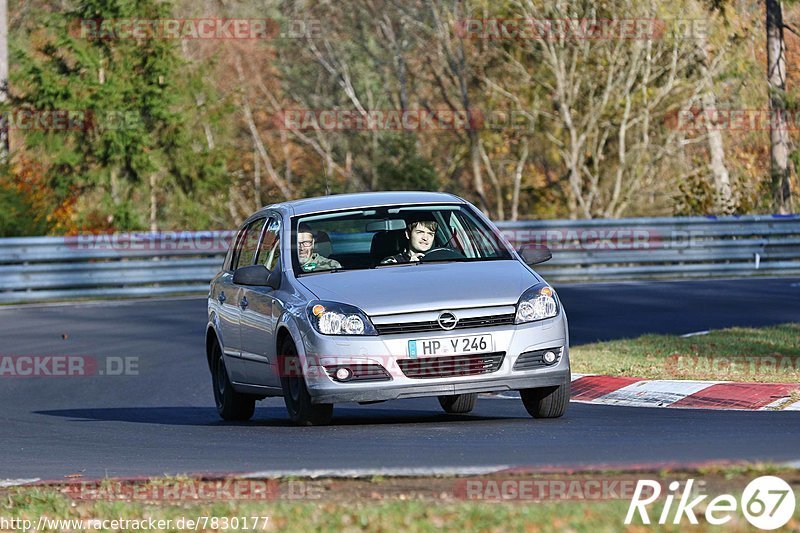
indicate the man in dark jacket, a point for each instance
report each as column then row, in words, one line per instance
column 420, row 235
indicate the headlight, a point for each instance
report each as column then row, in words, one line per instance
column 333, row 318
column 537, row 303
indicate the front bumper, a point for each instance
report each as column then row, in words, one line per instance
column 388, row 391
column 387, row 350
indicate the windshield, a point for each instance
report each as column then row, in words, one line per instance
column 393, row 236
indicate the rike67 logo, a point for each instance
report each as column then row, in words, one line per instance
column 767, row 502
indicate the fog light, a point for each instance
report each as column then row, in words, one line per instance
column 549, row 358
column 343, row 374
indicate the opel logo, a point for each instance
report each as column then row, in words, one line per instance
column 447, row 320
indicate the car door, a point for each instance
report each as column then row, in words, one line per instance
column 232, row 296
column 259, row 317
column 223, row 298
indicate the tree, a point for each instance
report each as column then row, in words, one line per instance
column 135, row 142
column 779, row 132
column 3, row 79
column 724, row 197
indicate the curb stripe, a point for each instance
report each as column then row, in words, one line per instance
column 588, row 388
column 737, row 396
column 6, row 483
column 687, row 394
column 660, row 393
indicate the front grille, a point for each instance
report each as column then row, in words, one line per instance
column 531, row 360
column 361, row 373
column 452, row 365
column 433, row 325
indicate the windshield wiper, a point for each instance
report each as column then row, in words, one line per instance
column 382, row 265
column 421, row 262
column 464, row 260
column 447, row 260
column 323, row 271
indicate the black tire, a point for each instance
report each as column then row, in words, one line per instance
column 295, row 393
column 546, row 402
column 231, row 405
column 458, row 403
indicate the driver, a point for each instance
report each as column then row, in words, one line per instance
column 310, row 260
column 420, row 234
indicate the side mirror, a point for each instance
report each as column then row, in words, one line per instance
column 533, row 254
column 257, row 276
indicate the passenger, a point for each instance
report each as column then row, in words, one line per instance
column 310, row 260
column 420, row 235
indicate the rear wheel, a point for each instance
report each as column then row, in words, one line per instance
column 458, row 403
column 231, row 405
column 546, row 402
column 295, row 393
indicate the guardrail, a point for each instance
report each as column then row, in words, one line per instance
column 657, row 248
column 104, row 266
column 147, row 264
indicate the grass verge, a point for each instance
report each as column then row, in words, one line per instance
column 393, row 504
column 770, row 354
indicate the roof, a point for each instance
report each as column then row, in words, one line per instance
column 364, row 199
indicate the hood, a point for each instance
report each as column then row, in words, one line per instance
column 424, row 287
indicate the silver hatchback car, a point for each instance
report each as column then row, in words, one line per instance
column 378, row 296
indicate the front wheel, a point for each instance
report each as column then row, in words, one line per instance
column 546, row 402
column 295, row 393
column 458, row 403
column 231, row 405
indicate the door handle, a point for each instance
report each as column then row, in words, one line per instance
column 221, row 298
column 243, row 303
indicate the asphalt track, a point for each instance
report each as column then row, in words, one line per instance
column 162, row 421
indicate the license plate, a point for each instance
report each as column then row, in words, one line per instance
column 451, row 346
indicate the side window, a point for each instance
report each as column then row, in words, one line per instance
column 248, row 245
column 461, row 237
column 269, row 253
column 233, row 254
column 483, row 246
